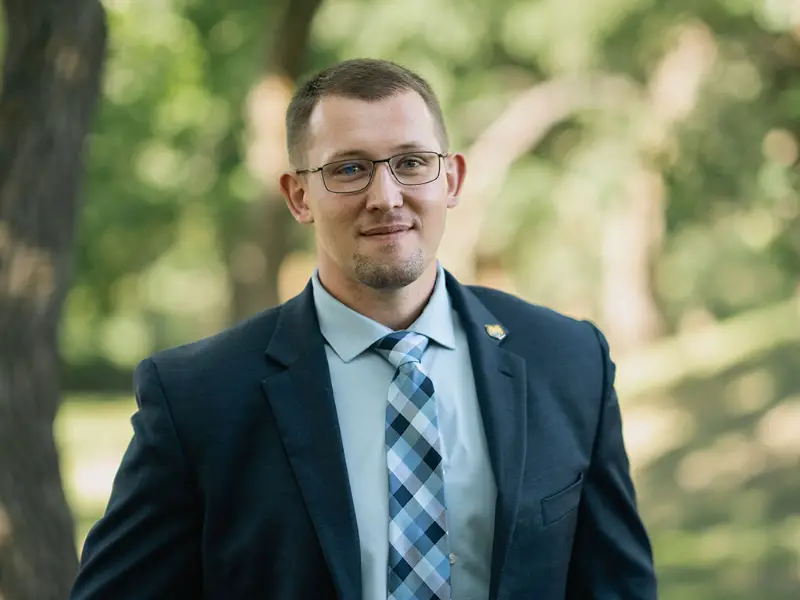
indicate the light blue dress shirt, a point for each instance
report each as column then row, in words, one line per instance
column 360, row 379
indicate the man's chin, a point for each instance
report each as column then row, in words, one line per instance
column 388, row 275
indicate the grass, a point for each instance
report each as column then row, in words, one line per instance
column 92, row 436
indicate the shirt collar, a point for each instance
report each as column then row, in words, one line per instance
column 350, row 333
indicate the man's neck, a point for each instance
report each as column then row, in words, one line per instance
column 396, row 309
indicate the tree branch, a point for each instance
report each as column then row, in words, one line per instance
column 521, row 127
column 707, row 351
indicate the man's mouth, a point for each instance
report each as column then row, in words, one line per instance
column 386, row 230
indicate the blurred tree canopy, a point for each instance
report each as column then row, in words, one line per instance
column 633, row 161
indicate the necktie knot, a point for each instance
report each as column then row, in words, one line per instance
column 401, row 347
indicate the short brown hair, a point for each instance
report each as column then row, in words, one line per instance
column 363, row 79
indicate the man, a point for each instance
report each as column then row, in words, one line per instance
column 388, row 433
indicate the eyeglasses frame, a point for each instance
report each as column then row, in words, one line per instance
column 372, row 172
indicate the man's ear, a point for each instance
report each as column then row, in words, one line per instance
column 294, row 192
column 455, row 173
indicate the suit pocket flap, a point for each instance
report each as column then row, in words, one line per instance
column 558, row 505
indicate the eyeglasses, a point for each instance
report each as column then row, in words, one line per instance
column 354, row 175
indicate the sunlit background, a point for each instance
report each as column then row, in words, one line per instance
column 633, row 162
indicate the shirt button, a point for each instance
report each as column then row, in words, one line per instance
column 452, row 558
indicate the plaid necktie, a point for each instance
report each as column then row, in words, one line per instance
column 419, row 567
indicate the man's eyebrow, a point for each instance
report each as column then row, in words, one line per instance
column 357, row 153
column 412, row 147
column 342, row 154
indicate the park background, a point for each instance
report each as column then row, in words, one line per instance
column 632, row 162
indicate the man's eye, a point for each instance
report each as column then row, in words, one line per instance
column 349, row 169
column 411, row 163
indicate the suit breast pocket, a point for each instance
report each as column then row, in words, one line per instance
column 560, row 504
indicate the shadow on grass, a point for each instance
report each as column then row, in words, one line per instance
column 723, row 505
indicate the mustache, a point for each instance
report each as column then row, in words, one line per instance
column 408, row 221
column 394, row 223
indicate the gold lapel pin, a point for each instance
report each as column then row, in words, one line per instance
column 495, row 331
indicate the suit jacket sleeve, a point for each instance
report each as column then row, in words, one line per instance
column 147, row 543
column 612, row 558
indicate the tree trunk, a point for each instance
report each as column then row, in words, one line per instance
column 265, row 239
column 634, row 232
column 269, row 233
column 51, row 82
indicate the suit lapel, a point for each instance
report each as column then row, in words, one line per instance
column 301, row 397
column 500, row 381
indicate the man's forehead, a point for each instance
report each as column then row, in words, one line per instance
column 338, row 124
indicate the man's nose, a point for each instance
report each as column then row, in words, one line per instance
column 384, row 193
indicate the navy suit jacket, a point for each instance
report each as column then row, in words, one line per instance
column 234, row 486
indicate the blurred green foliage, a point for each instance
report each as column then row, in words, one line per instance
column 172, row 184
column 169, row 188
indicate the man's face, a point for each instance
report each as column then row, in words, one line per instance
column 386, row 235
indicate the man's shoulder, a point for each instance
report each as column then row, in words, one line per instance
column 515, row 311
column 537, row 330
column 572, row 349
